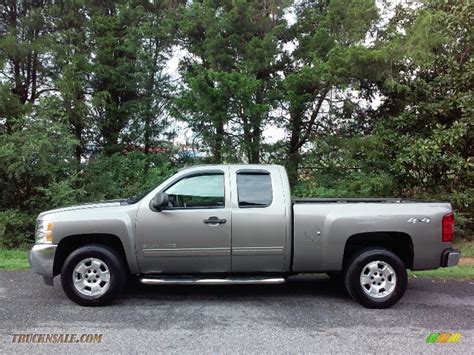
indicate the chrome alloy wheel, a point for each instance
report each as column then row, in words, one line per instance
column 91, row 277
column 378, row 279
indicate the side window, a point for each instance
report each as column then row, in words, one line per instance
column 254, row 189
column 202, row 191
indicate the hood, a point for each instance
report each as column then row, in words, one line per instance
column 109, row 203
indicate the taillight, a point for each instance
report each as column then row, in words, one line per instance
column 448, row 228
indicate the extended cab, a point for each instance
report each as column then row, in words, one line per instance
column 221, row 224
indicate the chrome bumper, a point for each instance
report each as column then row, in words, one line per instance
column 450, row 257
column 41, row 259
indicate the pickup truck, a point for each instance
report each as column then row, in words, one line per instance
column 237, row 224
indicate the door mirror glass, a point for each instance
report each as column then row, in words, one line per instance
column 160, row 201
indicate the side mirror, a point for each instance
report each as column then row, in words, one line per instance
column 160, row 201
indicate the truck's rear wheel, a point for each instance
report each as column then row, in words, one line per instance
column 376, row 278
column 93, row 275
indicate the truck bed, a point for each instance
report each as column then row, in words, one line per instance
column 322, row 226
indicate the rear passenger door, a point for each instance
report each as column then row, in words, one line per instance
column 258, row 221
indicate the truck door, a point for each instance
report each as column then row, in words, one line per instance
column 259, row 221
column 192, row 234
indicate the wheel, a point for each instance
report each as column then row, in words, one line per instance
column 335, row 275
column 93, row 275
column 376, row 278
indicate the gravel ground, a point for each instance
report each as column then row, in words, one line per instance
column 310, row 314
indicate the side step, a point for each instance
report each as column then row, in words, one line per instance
column 211, row 281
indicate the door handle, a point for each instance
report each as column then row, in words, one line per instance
column 215, row 220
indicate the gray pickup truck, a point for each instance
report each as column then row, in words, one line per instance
column 237, row 224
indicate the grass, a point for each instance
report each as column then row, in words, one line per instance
column 17, row 259
column 465, row 271
column 455, row 272
column 14, row 259
column 466, row 247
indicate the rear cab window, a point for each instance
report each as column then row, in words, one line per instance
column 254, row 188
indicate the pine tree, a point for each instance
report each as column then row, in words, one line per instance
column 230, row 73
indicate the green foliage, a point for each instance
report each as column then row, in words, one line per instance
column 230, row 74
column 15, row 228
column 36, row 171
column 39, row 172
column 329, row 58
column 418, row 142
column 122, row 176
column 34, row 156
column 10, row 104
column 427, row 127
column 355, row 184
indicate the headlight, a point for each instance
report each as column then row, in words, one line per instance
column 44, row 232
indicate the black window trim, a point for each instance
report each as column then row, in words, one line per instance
column 253, row 172
column 194, row 174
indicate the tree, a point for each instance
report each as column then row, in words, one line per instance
column 71, row 52
column 150, row 125
column 24, row 44
column 116, row 41
column 427, row 115
column 35, row 173
column 230, row 73
column 329, row 57
column 129, row 41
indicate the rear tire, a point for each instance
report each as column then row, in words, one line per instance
column 376, row 278
column 93, row 275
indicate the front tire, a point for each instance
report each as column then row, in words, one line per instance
column 376, row 278
column 93, row 275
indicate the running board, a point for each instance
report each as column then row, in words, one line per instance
column 203, row 281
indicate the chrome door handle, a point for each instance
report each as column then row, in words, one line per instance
column 215, row 220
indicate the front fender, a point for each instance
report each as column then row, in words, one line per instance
column 117, row 221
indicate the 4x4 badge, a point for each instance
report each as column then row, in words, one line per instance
column 419, row 220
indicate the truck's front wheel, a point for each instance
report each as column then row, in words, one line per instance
column 376, row 278
column 93, row 275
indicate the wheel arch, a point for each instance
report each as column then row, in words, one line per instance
column 70, row 243
column 399, row 243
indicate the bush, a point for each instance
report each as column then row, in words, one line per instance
column 123, row 175
column 16, row 228
column 39, row 172
column 352, row 184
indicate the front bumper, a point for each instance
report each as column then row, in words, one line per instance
column 450, row 257
column 41, row 259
